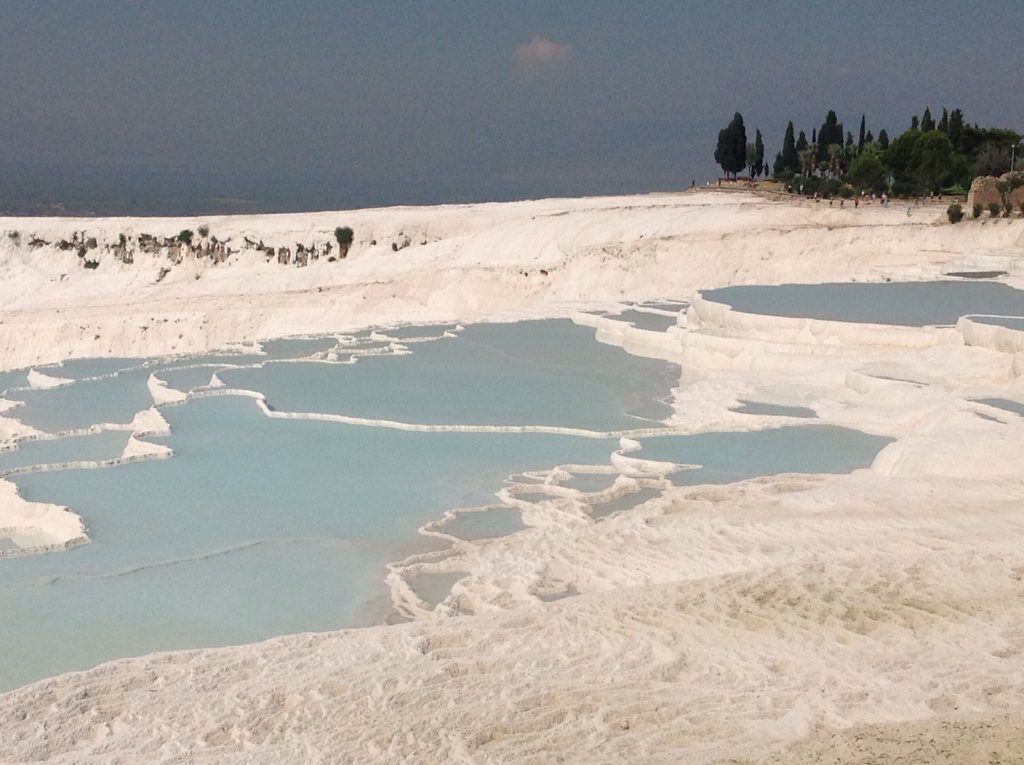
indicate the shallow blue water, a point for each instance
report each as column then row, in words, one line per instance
column 548, row 373
column 774, row 410
column 622, row 503
column 297, row 347
column 411, row 331
column 14, row 379
column 915, row 304
column 1006, row 404
column 76, row 369
column 114, row 399
column 187, row 378
column 495, row 521
column 329, row 504
column 655, row 322
column 106, row 445
column 260, row 527
column 728, row 457
column 1011, row 322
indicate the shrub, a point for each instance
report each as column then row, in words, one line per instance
column 976, row 210
column 810, row 183
column 1007, row 208
column 955, row 213
column 204, row 230
column 994, row 208
column 846, row 191
column 1016, row 181
column 344, row 236
column 185, row 236
column 1022, row 209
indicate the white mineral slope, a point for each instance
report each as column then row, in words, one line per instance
column 462, row 262
column 817, row 618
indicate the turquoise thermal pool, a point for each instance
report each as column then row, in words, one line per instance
column 914, row 304
column 261, row 525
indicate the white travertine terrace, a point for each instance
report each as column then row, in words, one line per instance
column 712, row 624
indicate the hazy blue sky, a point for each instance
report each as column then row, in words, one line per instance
column 475, row 99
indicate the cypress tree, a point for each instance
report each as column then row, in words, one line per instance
column 915, row 124
column 789, row 159
column 731, row 151
column 869, row 138
column 927, row 123
column 883, row 140
column 724, row 152
column 801, row 142
column 831, row 132
column 944, row 121
column 861, row 136
column 777, row 167
column 739, row 137
column 758, row 152
column 849, row 140
column 956, row 128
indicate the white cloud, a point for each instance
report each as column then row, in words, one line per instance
column 540, row 56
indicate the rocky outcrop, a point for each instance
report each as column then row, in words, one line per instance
column 986, row 189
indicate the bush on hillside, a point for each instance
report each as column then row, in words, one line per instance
column 976, row 210
column 344, row 236
column 994, row 208
column 810, row 184
column 955, row 213
column 832, row 186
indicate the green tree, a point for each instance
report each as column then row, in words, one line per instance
column 861, row 136
column 758, row 162
column 927, row 123
column 944, row 122
column 915, row 123
column 731, row 151
column 344, row 236
column 801, row 142
column 931, row 159
column 788, row 161
column 956, row 128
column 898, row 155
column 831, row 133
column 883, row 139
column 867, row 172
